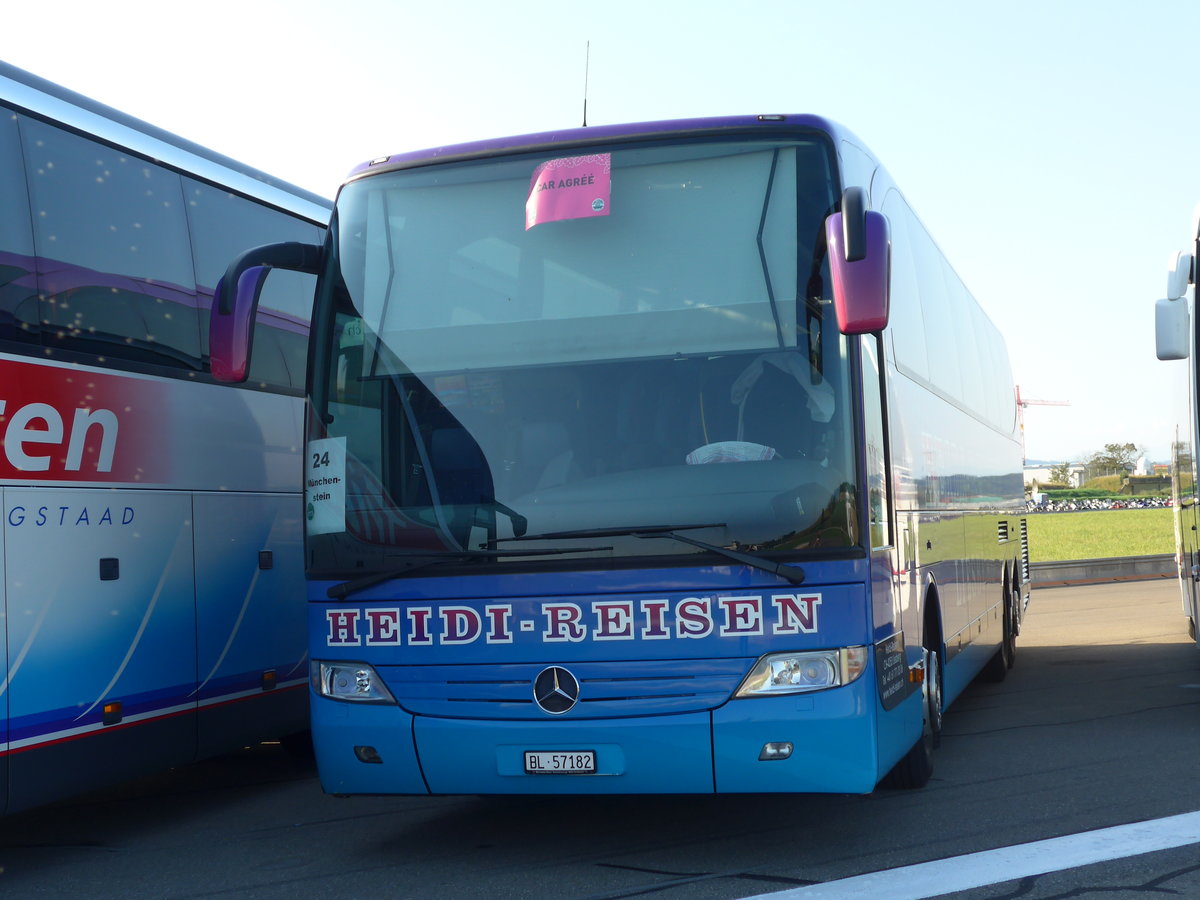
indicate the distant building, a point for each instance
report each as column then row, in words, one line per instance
column 1037, row 474
column 1041, row 475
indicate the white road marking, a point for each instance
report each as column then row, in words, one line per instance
column 973, row 870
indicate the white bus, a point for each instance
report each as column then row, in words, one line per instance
column 1175, row 339
column 151, row 578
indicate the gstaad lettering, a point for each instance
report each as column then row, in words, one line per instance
column 70, row 516
column 567, row 622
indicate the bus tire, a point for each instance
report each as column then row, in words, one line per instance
column 915, row 768
column 1014, row 624
column 997, row 667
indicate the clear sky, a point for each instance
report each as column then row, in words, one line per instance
column 1051, row 148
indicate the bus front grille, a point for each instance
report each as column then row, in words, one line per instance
column 606, row 689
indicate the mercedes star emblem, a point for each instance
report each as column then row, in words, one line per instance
column 555, row 690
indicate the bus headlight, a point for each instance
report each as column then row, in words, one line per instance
column 795, row 673
column 354, row 682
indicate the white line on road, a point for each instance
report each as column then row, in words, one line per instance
column 973, row 870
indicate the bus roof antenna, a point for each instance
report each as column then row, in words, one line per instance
column 587, row 58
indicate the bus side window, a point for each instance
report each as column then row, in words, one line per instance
column 348, row 376
column 18, row 290
column 874, row 444
column 115, row 268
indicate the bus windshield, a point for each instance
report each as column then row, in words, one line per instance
column 505, row 362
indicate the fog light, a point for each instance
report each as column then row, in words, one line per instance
column 776, row 750
column 368, row 755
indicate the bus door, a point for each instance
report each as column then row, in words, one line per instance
column 251, row 631
column 885, row 565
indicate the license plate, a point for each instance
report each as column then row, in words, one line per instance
column 560, row 762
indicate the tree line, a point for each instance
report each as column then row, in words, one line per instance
column 1114, row 459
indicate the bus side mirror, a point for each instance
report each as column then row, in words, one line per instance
column 860, row 265
column 235, row 301
column 1179, row 275
column 1171, row 328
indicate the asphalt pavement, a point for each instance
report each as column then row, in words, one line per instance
column 1096, row 727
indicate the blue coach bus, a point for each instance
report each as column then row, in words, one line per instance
column 150, row 554
column 666, row 457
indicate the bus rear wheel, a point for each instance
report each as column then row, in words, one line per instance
column 1014, row 625
column 997, row 667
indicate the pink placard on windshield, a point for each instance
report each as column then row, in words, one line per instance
column 574, row 187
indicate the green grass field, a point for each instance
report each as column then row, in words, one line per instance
column 1101, row 534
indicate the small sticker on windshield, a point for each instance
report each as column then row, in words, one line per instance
column 574, row 187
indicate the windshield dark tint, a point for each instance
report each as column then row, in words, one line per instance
column 663, row 354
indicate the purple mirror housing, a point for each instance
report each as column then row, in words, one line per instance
column 231, row 326
column 860, row 286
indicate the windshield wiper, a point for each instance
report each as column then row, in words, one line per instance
column 793, row 574
column 421, row 560
column 519, row 523
column 631, row 531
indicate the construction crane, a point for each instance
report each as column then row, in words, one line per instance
column 1021, row 404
